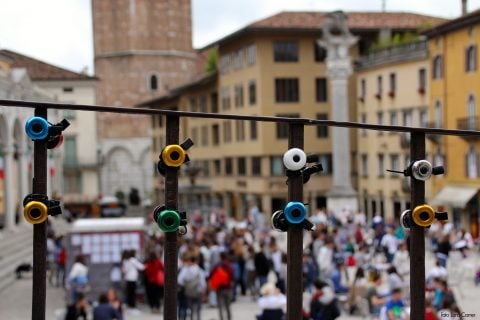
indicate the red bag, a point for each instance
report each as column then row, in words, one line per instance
column 160, row 278
column 219, row 279
column 351, row 261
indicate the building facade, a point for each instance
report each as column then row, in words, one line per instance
column 142, row 49
column 76, row 176
column 453, row 104
column 272, row 67
column 392, row 89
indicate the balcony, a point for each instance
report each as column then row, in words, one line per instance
column 469, row 123
column 404, row 52
column 434, row 138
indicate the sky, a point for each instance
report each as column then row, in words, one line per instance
column 60, row 31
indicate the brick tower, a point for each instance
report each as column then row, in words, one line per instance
column 141, row 49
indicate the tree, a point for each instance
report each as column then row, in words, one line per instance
column 212, row 61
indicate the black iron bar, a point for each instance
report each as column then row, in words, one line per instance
column 304, row 121
column 171, row 245
column 39, row 277
column 295, row 234
column 417, row 235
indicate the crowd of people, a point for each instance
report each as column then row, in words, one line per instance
column 349, row 267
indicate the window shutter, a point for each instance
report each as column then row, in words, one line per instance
column 467, row 49
column 466, row 165
column 474, row 57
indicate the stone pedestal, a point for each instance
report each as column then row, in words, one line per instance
column 337, row 40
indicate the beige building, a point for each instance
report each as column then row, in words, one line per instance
column 271, row 67
column 75, row 176
column 392, row 89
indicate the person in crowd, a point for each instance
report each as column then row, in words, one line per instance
column 401, row 260
column 276, row 255
column 442, row 293
column 221, row 281
column 104, row 310
column 357, row 290
column 394, row 280
column 51, row 265
column 464, row 242
column 395, row 306
column 192, row 279
column 115, row 302
column 325, row 259
column 430, row 313
column 130, row 268
column 323, row 305
column 336, row 278
column 60, row 259
column 390, row 244
column 78, row 278
column 251, row 274
column 262, row 265
column 272, row 303
column 443, row 250
column 309, row 272
column 374, row 298
column 439, row 271
column 449, row 309
column 154, row 281
column 78, row 310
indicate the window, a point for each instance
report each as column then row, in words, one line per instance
column 217, row 166
column 226, row 98
column 394, row 162
column 326, row 160
column 322, row 131
column 214, row 102
column 276, row 166
column 380, row 121
column 320, row 52
column 471, row 163
column 153, row 82
column 393, row 85
column 471, row 58
column 422, row 80
column 206, row 168
column 407, row 118
column 67, row 89
column 195, row 134
column 252, row 92
column 204, row 131
column 363, row 89
column 471, row 113
column 393, row 118
column 363, row 119
column 238, row 59
column 251, row 54
column 437, row 67
column 240, row 130
column 238, row 95
column 379, row 87
column 321, row 89
column 423, row 117
column 227, row 131
column 381, row 166
column 228, row 166
column 242, row 166
column 193, row 104
column 253, row 130
column 438, row 159
column 224, row 64
column 256, row 166
column 70, row 158
column 69, row 114
column 282, row 127
column 438, row 114
column 203, row 103
column 215, row 134
column 285, row 51
column 364, row 158
column 286, row 90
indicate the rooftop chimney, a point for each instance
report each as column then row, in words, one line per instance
column 464, row 7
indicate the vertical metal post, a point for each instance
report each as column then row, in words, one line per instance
column 39, row 286
column 295, row 234
column 417, row 235
column 171, row 249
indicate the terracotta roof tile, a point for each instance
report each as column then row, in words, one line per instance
column 39, row 70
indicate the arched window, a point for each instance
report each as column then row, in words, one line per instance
column 438, row 114
column 470, row 58
column 437, row 67
column 471, row 161
column 153, row 82
column 471, row 112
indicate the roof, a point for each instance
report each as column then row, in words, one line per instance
column 178, row 91
column 452, row 25
column 357, row 22
column 42, row 71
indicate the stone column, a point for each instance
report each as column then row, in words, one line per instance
column 22, row 181
column 8, row 187
column 337, row 40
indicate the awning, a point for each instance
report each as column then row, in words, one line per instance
column 454, row 196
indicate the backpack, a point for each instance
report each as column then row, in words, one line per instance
column 220, row 278
column 191, row 287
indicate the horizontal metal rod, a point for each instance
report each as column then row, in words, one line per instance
column 207, row 115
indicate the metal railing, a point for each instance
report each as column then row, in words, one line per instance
column 295, row 193
column 469, row 123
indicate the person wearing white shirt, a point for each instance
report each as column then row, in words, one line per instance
column 325, row 259
column 390, row 243
column 130, row 267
